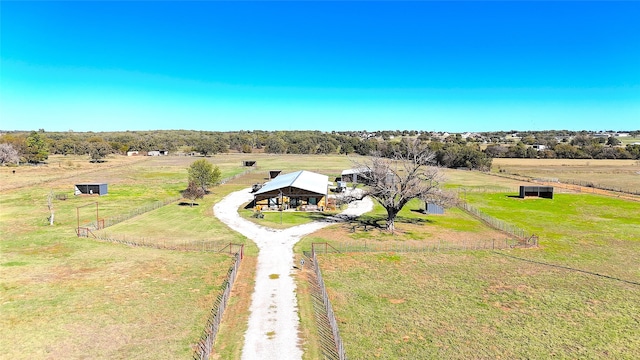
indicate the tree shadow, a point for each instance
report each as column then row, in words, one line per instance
column 184, row 203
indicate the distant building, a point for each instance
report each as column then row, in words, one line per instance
column 91, row 189
column 355, row 175
column 538, row 147
column 158, row 153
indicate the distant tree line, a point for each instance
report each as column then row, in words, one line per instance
column 473, row 152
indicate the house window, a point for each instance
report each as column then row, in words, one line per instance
column 313, row 201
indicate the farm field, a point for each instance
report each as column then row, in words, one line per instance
column 69, row 297
column 446, row 304
column 612, row 174
column 575, row 296
column 629, row 140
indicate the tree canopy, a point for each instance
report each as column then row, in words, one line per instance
column 204, row 174
column 36, row 150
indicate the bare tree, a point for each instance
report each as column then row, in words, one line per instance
column 193, row 192
column 8, row 154
column 50, row 198
column 393, row 182
column 441, row 197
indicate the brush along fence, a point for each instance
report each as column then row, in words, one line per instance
column 204, row 347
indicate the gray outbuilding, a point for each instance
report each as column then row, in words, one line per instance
column 91, row 189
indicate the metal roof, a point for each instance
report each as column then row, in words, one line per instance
column 355, row 171
column 305, row 180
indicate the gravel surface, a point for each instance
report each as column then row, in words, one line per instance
column 273, row 324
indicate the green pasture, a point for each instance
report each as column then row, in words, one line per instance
column 67, row 297
column 477, row 305
column 575, row 296
column 180, row 222
column 628, row 140
column 61, row 295
column 591, row 232
column 413, row 227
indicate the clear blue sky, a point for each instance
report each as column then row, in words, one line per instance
column 300, row 65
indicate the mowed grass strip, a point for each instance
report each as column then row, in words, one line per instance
column 477, row 305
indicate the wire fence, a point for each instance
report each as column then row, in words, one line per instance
column 132, row 213
column 422, row 246
column 163, row 243
column 496, row 223
column 591, row 184
column 236, row 176
column 340, row 353
column 204, row 347
column 581, row 183
column 486, row 189
column 103, row 223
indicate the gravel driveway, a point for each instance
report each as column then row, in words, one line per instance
column 273, row 324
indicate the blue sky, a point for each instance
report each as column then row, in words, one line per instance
column 327, row 65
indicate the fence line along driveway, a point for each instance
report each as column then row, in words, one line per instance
column 273, row 324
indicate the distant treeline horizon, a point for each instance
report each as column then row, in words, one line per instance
column 473, row 150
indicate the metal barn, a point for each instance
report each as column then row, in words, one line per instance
column 434, row 209
column 91, row 189
column 539, row 191
column 274, row 173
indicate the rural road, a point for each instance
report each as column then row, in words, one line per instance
column 273, row 324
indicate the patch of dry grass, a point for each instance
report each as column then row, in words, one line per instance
column 618, row 174
column 66, row 297
column 477, row 305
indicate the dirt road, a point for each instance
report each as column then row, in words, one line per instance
column 273, row 324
